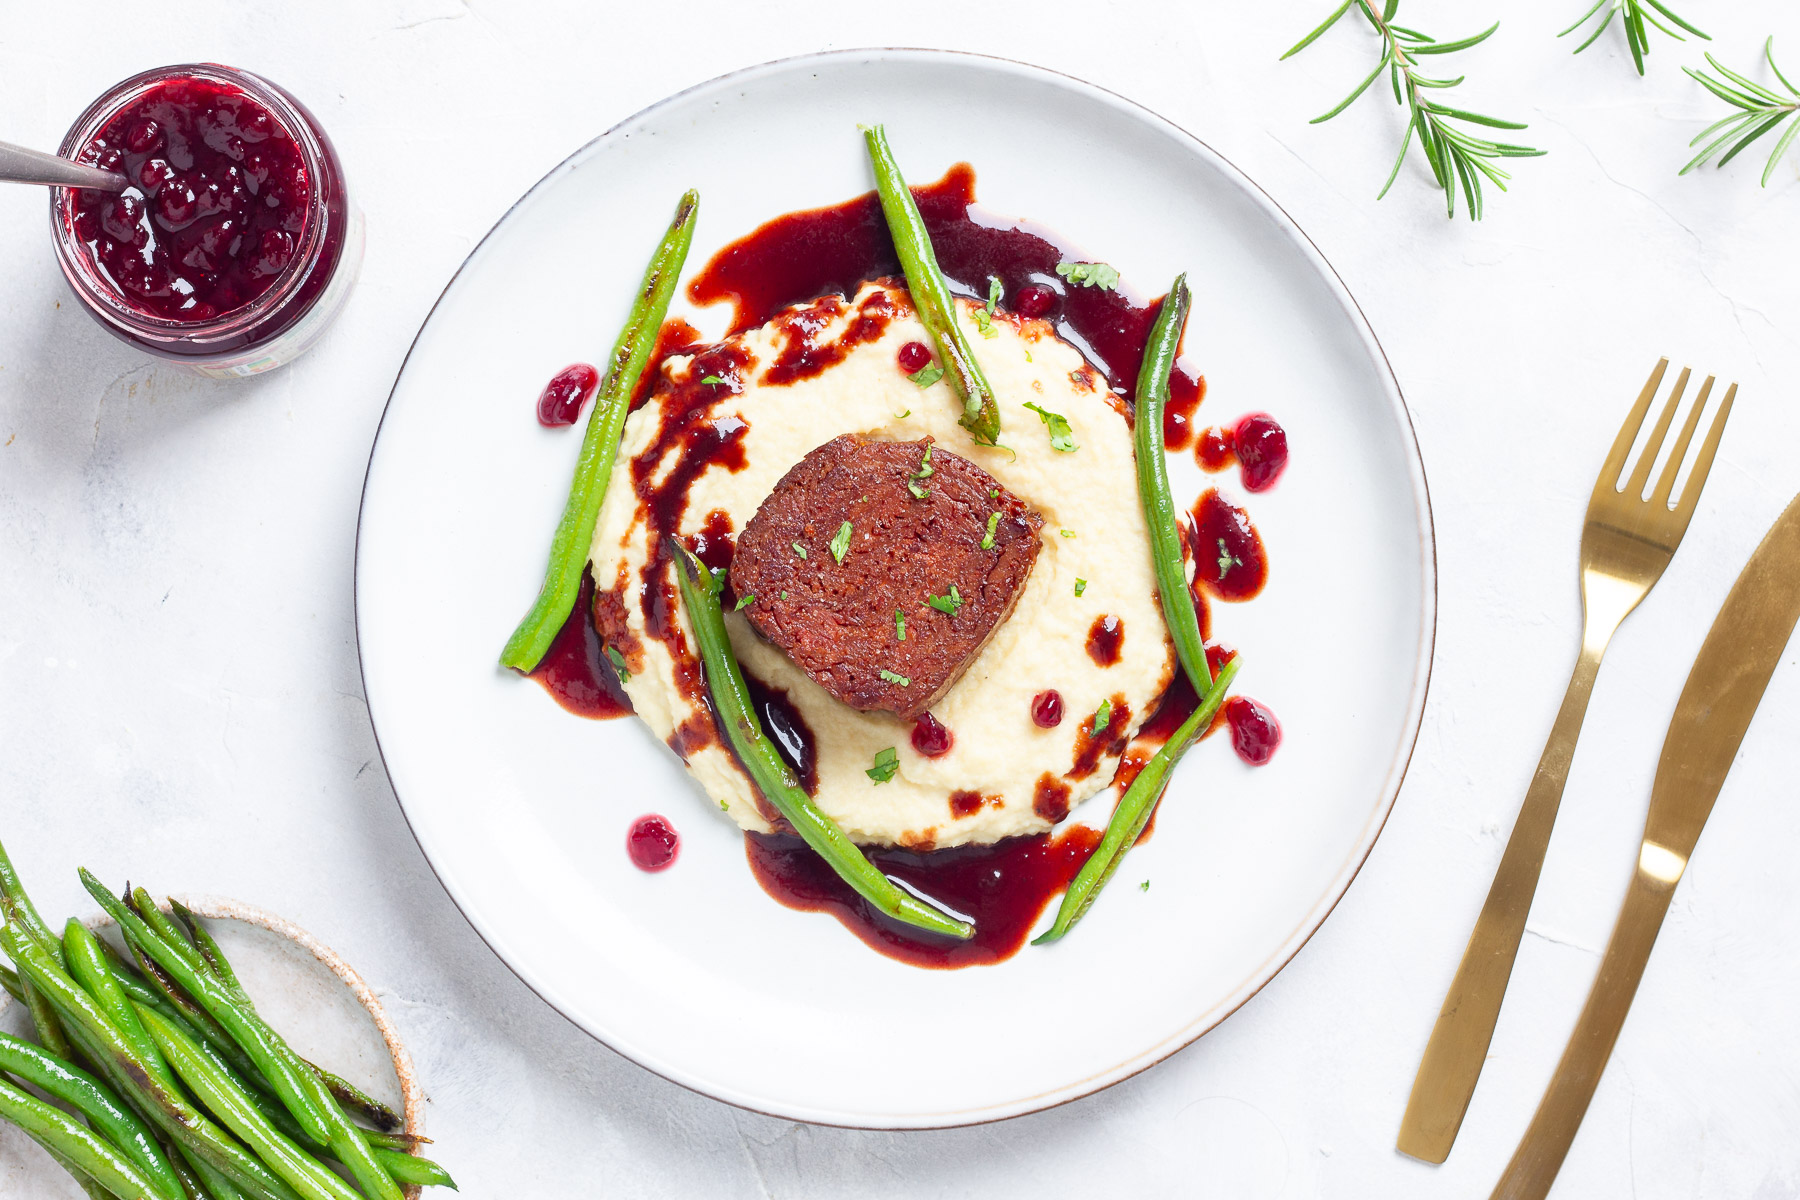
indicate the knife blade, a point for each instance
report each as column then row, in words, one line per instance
column 1736, row 662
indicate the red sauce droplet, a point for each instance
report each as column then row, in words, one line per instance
column 1262, row 450
column 652, row 843
column 930, row 738
column 966, row 803
column 576, row 671
column 1215, row 450
column 1229, row 558
column 1185, row 394
column 1033, row 300
column 1106, row 640
column 914, row 357
column 565, row 395
column 1002, row 888
column 1047, row 709
column 1255, row 733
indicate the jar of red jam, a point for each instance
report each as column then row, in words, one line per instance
column 236, row 243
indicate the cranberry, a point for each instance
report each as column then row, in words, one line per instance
column 1047, row 709
column 120, row 219
column 177, row 205
column 201, row 153
column 145, row 136
column 1033, row 300
column 1262, row 449
column 914, row 357
column 1255, row 733
column 652, row 843
column 930, row 738
column 273, row 253
column 564, row 396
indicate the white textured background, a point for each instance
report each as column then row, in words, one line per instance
column 179, row 694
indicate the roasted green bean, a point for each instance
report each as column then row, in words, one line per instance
column 1153, row 485
column 1133, row 811
column 600, row 446
column 77, row 1147
column 931, row 295
column 738, row 722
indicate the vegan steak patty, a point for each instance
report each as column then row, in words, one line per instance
column 882, row 568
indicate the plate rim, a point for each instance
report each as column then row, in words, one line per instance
column 1092, row 1084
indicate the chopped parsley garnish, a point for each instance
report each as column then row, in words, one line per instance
column 712, row 379
column 840, row 542
column 984, row 316
column 899, row 625
column 1080, row 586
column 947, row 603
column 1144, row 886
column 1028, row 356
column 724, row 807
column 993, row 493
column 744, row 602
column 1066, row 532
column 1061, row 436
column 799, row 549
column 901, row 416
column 927, row 375
column 987, row 539
column 1089, row 274
column 888, row 676
column 1102, row 717
column 1227, row 560
column 887, row 764
column 784, row 595
column 618, row 662
column 916, row 484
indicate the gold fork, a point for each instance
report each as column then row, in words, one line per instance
column 1626, row 544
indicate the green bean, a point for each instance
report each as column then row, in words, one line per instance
column 600, row 445
column 77, row 1146
column 346, row 1140
column 192, row 1186
column 15, row 905
column 83, row 1180
column 235, row 1110
column 43, row 1019
column 209, row 949
column 737, row 719
column 931, row 295
column 13, row 985
column 1133, row 811
column 145, row 906
column 1153, row 485
column 261, row 1043
column 348, row 1096
column 81, row 949
column 410, row 1168
column 133, row 1077
column 93, row 1099
column 215, row 1186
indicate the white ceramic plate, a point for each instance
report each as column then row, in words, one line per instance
column 695, row 973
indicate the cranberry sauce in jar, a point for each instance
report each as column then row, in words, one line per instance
column 235, row 243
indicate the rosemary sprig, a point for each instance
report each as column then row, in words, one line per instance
column 1761, row 110
column 1453, row 153
column 1638, row 18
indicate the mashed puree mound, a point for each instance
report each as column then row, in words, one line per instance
column 828, row 368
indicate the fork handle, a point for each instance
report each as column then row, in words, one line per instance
column 1465, row 1025
column 1546, row 1142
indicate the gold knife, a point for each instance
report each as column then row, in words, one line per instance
column 1726, row 684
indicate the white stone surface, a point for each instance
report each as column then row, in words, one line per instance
column 178, row 673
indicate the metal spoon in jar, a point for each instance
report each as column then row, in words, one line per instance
column 19, row 165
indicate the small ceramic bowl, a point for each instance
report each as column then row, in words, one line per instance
column 279, row 963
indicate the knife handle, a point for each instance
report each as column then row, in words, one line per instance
column 1546, row 1142
column 1465, row 1026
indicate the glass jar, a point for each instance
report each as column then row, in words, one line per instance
column 237, row 242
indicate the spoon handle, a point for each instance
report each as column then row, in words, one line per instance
column 19, row 165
